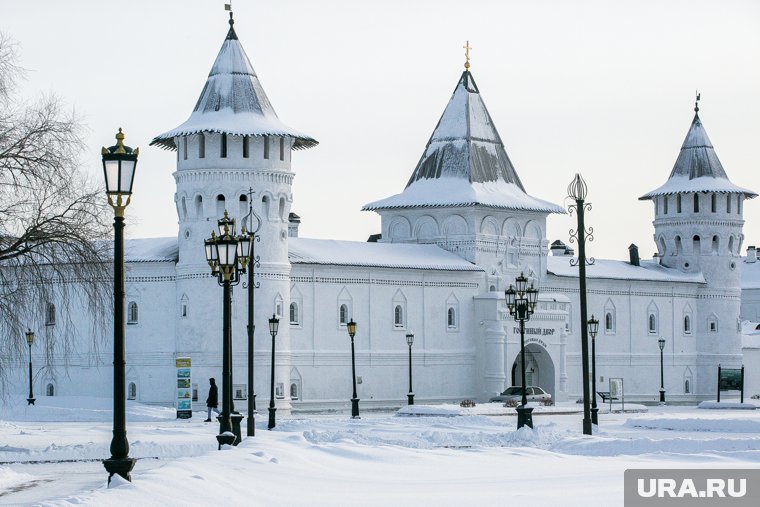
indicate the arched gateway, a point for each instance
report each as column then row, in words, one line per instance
column 539, row 369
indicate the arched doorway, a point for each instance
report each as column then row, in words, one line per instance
column 539, row 368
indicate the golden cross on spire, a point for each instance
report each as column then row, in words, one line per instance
column 467, row 49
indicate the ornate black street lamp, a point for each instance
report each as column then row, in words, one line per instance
column 228, row 256
column 351, row 326
column 251, row 285
column 577, row 190
column 30, row 339
column 119, row 163
column 521, row 302
column 274, row 325
column 593, row 329
column 409, row 341
column 661, row 343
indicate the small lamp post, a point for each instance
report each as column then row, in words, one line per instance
column 253, row 237
column 521, row 303
column 228, row 256
column 661, row 343
column 593, row 329
column 30, row 340
column 409, row 341
column 351, row 326
column 274, row 325
column 119, row 163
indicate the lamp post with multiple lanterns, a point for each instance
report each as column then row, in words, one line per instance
column 119, row 163
column 251, row 285
column 577, row 191
column 227, row 255
column 593, row 329
column 521, row 302
column 409, row 341
column 30, row 340
column 351, row 327
column 661, row 343
column 274, row 325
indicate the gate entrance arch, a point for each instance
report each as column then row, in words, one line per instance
column 539, row 368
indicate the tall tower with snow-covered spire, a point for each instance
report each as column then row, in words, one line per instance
column 232, row 141
column 465, row 195
column 698, row 228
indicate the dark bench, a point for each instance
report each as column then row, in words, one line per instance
column 605, row 395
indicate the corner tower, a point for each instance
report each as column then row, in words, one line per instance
column 466, row 197
column 232, row 141
column 698, row 228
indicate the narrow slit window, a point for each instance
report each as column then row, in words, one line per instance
column 665, row 205
column 201, row 146
column 223, row 153
column 713, row 203
column 245, row 146
column 678, row 203
column 266, row 147
column 696, row 203
column 282, row 148
column 184, row 148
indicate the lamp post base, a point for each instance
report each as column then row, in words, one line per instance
column 594, row 416
column 235, row 418
column 355, row 408
column 410, row 397
column 30, row 401
column 524, row 416
column 271, row 424
column 587, row 426
column 226, row 438
column 121, row 466
column 662, row 396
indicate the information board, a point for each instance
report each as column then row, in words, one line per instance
column 731, row 379
column 184, row 388
column 616, row 392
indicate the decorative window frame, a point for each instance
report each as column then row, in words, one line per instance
column 687, row 321
column 611, row 311
column 399, row 302
column 133, row 313
column 344, row 298
column 50, row 314
column 712, row 323
column 452, row 306
column 278, row 307
column 184, row 307
column 294, row 314
column 653, row 313
column 296, row 298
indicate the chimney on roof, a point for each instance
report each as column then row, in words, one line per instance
column 293, row 222
column 751, row 253
column 633, row 254
column 374, row 238
column 557, row 248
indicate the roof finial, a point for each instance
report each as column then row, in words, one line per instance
column 696, row 103
column 467, row 49
column 228, row 7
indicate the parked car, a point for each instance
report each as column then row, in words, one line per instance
column 533, row 393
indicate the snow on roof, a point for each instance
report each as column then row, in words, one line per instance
column 750, row 274
column 151, row 250
column 697, row 168
column 750, row 335
column 385, row 255
column 465, row 162
column 233, row 102
column 649, row 270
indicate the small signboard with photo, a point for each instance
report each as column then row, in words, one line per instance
column 731, row 379
column 184, row 388
column 617, row 393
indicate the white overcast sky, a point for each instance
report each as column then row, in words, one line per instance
column 598, row 87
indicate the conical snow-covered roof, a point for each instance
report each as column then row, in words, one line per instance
column 233, row 102
column 697, row 167
column 465, row 163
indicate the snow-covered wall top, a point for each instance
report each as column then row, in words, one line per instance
column 621, row 270
column 151, row 249
column 233, row 102
column 465, row 162
column 697, row 168
column 750, row 275
column 386, row 255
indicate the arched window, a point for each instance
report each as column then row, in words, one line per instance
column 50, row 390
column 679, row 247
column 343, row 315
column 713, row 203
column 282, row 208
column 50, row 314
column 678, row 203
column 609, row 325
column 451, row 317
column 652, row 324
column 198, row 206
column 687, row 324
column 243, row 206
column 293, row 313
column 398, row 316
column 220, row 205
column 492, row 288
column 686, row 387
column 697, row 246
column 184, row 208
column 715, row 244
column 730, row 244
column 132, row 313
column 132, row 391
column 201, row 146
column 183, row 306
column 265, row 206
column 293, row 391
column 696, row 203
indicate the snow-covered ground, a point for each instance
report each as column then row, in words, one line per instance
column 432, row 456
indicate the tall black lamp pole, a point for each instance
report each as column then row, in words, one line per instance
column 228, row 256
column 521, row 302
column 29, row 340
column 274, row 325
column 351, row 326
column 593, row 329
column 409, row 341
column 577, row 190
column 661, row 343
column 119, row 163
column 254, row 262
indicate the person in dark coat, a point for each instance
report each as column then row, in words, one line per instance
column 212, row 402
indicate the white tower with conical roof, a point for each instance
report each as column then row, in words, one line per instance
column 233, row 141
column 698, row 229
